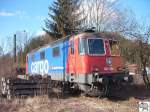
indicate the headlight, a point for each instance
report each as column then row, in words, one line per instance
column 109, row 61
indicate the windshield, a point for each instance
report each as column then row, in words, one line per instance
column 114, row 49
column 96, row 46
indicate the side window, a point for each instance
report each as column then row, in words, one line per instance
column 42, row 55
column 56, row 51
column 114, row 48
column 82, row 46
column 32, row 57
column 72, row 47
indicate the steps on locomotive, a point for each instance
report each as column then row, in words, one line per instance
column 12, row 87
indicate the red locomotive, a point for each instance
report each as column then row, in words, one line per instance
column 95, row 63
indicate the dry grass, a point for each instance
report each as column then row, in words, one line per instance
column 70, row 104
column 133, row 94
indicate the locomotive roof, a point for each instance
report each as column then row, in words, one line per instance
column 106, row 35
column 49, row 44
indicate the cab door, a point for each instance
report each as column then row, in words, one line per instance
column 71, row 58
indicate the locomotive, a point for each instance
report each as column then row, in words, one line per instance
column 88, row 61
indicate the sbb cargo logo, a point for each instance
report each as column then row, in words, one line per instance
column 144, row 106
column 40, row 67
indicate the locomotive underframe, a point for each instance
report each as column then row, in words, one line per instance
column 97, row 84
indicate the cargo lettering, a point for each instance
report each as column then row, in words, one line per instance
column 40, row 67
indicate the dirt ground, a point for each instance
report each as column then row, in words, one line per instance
column 124, row 101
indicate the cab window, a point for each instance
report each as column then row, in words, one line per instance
column 114, row 48
column 96, row 46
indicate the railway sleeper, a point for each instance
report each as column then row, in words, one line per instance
column 11, row 87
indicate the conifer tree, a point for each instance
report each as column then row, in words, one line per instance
column 63, row 18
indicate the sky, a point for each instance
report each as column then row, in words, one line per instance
column 28, row 15
column 141, row 9
column 21, row 15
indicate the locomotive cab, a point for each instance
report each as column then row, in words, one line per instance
column 95, row 60
column 94, row 53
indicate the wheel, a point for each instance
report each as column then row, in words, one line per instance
column 99, row 91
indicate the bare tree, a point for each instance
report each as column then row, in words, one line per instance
column 105, row 16
column 1, row 61
column 141, row 35
column 100, row 14
column 22, row 40
column 1, row 51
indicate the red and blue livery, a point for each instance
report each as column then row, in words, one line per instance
column 90, row 62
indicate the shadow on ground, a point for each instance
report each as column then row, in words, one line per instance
column 137, row 91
